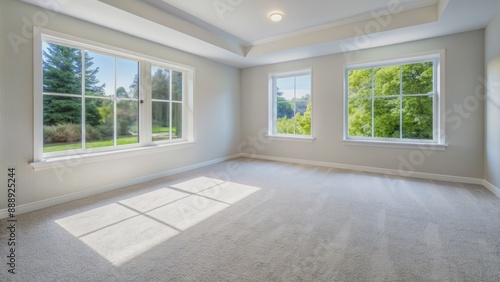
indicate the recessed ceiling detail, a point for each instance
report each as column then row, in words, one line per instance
column 240, row 33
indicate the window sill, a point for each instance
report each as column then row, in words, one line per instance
column 74, row 160
column 397, row 145
column 305, row 139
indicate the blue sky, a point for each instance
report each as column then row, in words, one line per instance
column 125, row 71
column 294, row 87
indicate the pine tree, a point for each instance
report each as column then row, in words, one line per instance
column 62, row 74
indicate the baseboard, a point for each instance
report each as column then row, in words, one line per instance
column 492, row 188
column 106, row 188
column 391, row 172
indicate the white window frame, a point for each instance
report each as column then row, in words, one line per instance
column 439, row 112
column 145, row 109
column 272, row 108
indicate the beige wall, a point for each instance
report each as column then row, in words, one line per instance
column 492, row 116
column 216, row 111
column 464, row 65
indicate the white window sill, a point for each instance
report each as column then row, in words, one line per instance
column 397, row 145
column 294, row 138
column 73, row 160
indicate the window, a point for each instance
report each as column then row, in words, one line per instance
column 290, row 104
column 394, row 101
column 166, row 104
column 90, row 100
column 99, row 98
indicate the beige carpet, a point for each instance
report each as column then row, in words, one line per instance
column 265, row 221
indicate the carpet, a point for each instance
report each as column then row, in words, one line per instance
column 254, row 220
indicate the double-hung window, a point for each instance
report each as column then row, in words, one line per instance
column 92, row 98
column 290, row 104
column 396, row 101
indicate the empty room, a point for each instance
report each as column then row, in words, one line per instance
column 250, row 140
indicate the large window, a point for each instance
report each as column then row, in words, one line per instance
column 394, row 101
column 290, row 104
column 90, row 99
column 95, row 99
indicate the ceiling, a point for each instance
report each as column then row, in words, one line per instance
column 239, row 32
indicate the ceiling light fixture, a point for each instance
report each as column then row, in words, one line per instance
column 276, row 16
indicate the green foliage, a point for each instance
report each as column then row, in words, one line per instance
column 62, row 133
column 360, row 117
column 387, row 107
column 283, row 107
column 299, row 124
column 62, row 73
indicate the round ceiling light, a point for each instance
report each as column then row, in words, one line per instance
column 276, row 16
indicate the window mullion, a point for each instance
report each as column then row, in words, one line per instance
column 170, row 104
column 83, row 119
column 436, row 101
column 294, row 105
column 275, row 113
column 115, row 108
column 401, row 102
column 373, row 101
column 145, row 108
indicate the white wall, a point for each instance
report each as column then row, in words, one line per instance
column 464, row 65
column 492, row 115
column 216, row 111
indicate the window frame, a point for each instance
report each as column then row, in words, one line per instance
column 272, row 106
column 438, row 142
column 145, row 110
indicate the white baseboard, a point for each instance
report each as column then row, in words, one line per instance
column 492, row 188
column 392, row 172
column 106, row 188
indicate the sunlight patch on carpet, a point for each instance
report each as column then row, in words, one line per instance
column 126, row 240
column 153, row 200
column 122, row 231
column 187, row 212
column 196, row 185
column 96, row 219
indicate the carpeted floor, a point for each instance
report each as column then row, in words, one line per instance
column 265, row 221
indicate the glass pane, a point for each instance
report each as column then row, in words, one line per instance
column 387, row 118
column 176, row 86
column 360, row 118
column 284, row 108
column 62, row 69
column 303, row 115
column 418, row 118
column 176, row 120
column 62, row 119
column 127, row 114
column 160, row 83
column 127, row 73
column 360, row 83
column 99, row 123
column 161, row 121
column 286, row 88
column 302, row 93
column 418, row 78
column 387, row 81
column 99, row 74
column 285, row 125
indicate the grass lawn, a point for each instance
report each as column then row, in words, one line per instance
column 93, row 144
column 161, row 129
